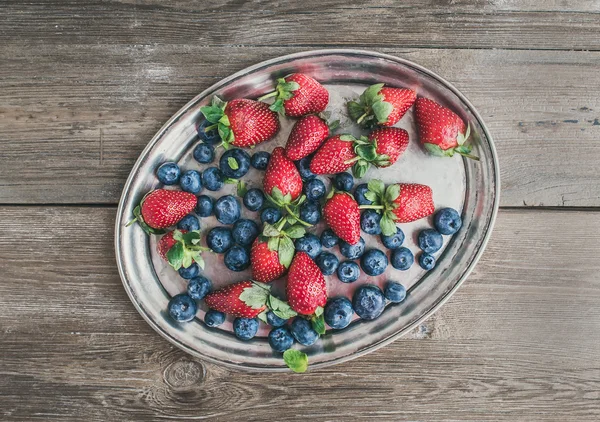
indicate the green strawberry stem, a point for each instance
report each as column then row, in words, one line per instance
column 296, row 216
column 472, row 157
column 269, row 95
column 353, row 160
column 211, row 127
column 361, row 118
column 281, row 223
column 371, row 207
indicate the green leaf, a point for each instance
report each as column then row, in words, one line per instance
column 224, row 120
column 360, row 169
column 177, row 235
column 277, row 195
column 175, row 256
column 190, row 237
column 434, row 150
column 367, row 152
column 230, row 181
column 319, row 311
column 241, row 188
column 254, row 296
column 296, row 231
column 371, row 196
column 333, row 125
column 270, row 231
column 263, row 316
column 224, row 132
column 388, row 227
column 286, row 251
column 280, row 308
column 291, row 219
column 347, row 138
column 217, row 102
column 187, row 259
column 287, row 198
column 233, row 164
column 290, row 86
column 355, row 110
column 200, row 262
column 463, row 149
column 382, row 111
column 371, row 94
column 296, row 360
column 277, row 106
column 318, row 324
column 273, row 243
column 212, row 113
column 392, row 192
column 376, row 186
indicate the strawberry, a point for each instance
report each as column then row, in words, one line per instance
column 306, row 289
column 232, row 300
column 265, row 262
column 163, row 208
column 180, row 248
column 441, row 131
column 342, row 215
column 241, row 122
column 298, row 95
column 379, row 105
column 282, row 177
column 390, row 143
column 306, row 136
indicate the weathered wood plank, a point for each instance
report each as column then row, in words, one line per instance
column 519, row 341
column 86, row 120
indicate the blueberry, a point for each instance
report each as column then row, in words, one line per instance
column 244, row 232
column 374, row 262
column 338, row 313
column 260, row 160
column 394, row 292
column 447, row 221
column 227, row 209
column 430, row 240
column 204, row 206
column 275, row 321
column 280, row 339
column 352, row 251
column 402, row 259
column 188, row 223
column 426, row 261
column 329, row 239
column 168, row 173
column 270, row 215
column 245, row 328
column 304, row 168
column 314, row 189
column 309, row 244
column 219, row 239
column 189, row 272
column 210, row 137
column 213, row 179
column 182, row 307
column 204, row 153
column 214, row 318
column 359, row 194
column 198, row 287
column 327, row 262
column 190, row 181
column 310, row 212
column 348, row 271
column 368, row 301
column 394, row 241
column 254, row 199
column 303, row 332
column 343, row 181
column 370, row 222
column 235, row 163
column 237, row 259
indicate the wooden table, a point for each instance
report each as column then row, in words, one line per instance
column 85, row 85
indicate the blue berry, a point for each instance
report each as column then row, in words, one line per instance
column 204, row 206
column 309, row 244
column 370, row 222
column 270, row 215
column 237, row 259
column 329, row 239
column 213, row 179
column 394, row 241
column 314, row 189
column 402, row 259
column 219, row 239
column 348, row 271
column 368, row 301
column 254, row 199
column 190, row 181
column 214, row 318
column 198, row 287
column 235, row 163
column 352, row 251
column 304, row 168
column 227, row 209
column 430, row 240
column 310, row 212
column 426, row 261
column 168, row 173
column 182, row 307
column 245, row 328
column 210, row 137
column 447, row 221
column 327, row 262
column 303, row 332
column 244, row 232
column 374, row 262
column 204, row 153
column 394, row 292
column 280, row 339
column 260, row 160
column 359, row 194
column 189, row 272
column 343, row 181
column 338, row 313
column 189, row 223
column 275, row 321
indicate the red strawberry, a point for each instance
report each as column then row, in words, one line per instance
column 180, row 248
column 228, row 300
column 242, row 122
column 342, row 215
column 306, row 136
column 298, row 95
column 379, row 105
column 265, row 262
column 166, row 243
column 306, row 288
column 282, row 174
column 390, row 142
column 163, row 208
column 441, row 131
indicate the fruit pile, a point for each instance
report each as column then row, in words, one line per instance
column 299, row 219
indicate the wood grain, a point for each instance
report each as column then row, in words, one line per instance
column 519, row 341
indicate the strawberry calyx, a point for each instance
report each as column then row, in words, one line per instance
column 215, row 114
column 317, row 320
column 187, row 250
column 258, row 295
column 366, row 154
column 280, row 240
column 382, row 199
column 138, row 218
column 283, row 91
column 288, row 206
column 463, row 147
column 370, row 109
